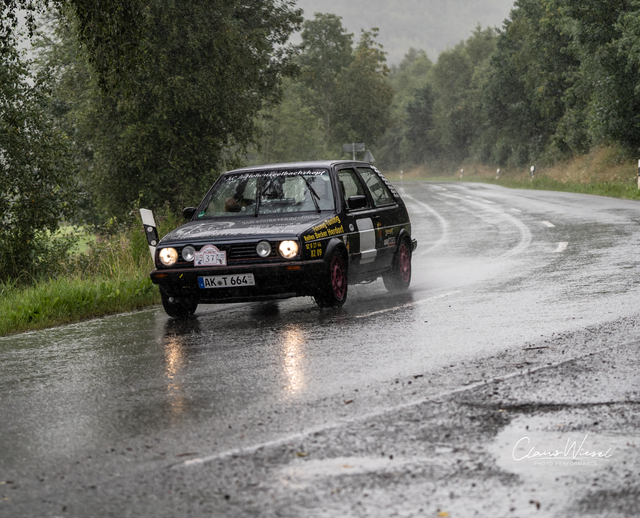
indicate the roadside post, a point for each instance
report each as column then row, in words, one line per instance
column 150, row 230
column 353, row 147
column 461, row 172
column 533, row 171
column 498, row 174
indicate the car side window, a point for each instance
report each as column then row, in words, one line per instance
column 350, row 185
column 379, row 191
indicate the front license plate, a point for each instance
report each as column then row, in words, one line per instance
column 209, row 255
column 226, row 281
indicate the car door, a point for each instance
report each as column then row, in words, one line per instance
column 361, row 222
column 388, row 222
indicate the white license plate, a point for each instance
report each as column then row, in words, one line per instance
column 226, row 281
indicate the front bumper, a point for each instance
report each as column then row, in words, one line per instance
column 272, row 281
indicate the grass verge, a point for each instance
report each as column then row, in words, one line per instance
column 65, row 300
column 108, row 274
column 603, row 172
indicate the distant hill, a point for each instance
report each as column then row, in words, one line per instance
column 430, row 25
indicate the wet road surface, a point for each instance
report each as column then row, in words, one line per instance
column 520, row 323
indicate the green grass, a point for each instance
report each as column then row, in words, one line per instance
column 58, row 301
column 104, row 276
column 611, row 189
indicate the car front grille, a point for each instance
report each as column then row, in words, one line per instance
column 244, row 251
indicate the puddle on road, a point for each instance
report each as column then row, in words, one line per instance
column 306, row 471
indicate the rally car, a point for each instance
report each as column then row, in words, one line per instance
column 286, row 230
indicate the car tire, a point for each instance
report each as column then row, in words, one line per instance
column 399, row 277
column 332, row 292
column 178, row 307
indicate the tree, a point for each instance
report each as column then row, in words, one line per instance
column 396, row 147
column 178, row 86
column 326, row 50
column 291, row 131
column 527, row 92
column 35, row 193
column 606, row 37
column 9, row 18
column 364, row 96
column 421, row 134
column 341, row 90
column 456, row 82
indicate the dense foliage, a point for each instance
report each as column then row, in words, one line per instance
column 152, row 98
column 340, row 95
column 559, row 78
column 35, row 158
column 175, row 93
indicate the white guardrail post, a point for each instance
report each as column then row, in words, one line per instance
column 150, row 231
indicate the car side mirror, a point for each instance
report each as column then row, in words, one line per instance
column 357, row 202
column 188, row 212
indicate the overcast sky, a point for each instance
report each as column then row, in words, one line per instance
column 431, row 25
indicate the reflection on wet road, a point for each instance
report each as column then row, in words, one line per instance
column 494, row 269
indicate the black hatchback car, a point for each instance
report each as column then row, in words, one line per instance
column 286, row 230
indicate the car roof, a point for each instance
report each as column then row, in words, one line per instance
column 315, row 164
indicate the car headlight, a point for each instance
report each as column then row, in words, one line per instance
column 168, row 256
column 188, row 253
column 263, row 249
column 288, row 249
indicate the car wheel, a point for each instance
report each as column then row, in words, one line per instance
column 399, row 277
column 333, row 290
column 178, row 307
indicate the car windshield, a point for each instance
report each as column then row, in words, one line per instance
column 270, row 192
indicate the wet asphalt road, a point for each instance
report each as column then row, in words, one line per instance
column 519, row 331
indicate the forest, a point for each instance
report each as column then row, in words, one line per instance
column 145, row 102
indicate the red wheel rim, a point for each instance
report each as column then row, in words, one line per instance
column 338, row 279
column 405, row 263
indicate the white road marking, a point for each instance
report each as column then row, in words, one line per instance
column 548, row 224
column 476, row 198
column 561, row 247
column 444, row 225
column 515, row 210
column 525, row 233
column 408, row 305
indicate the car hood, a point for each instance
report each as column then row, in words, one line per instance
column 263, row 226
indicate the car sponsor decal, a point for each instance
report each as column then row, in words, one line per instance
column 329, row 227
column 315, row 249
column 209, row 255
column 367, row 240
column 387, row 183
column 272, row 174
